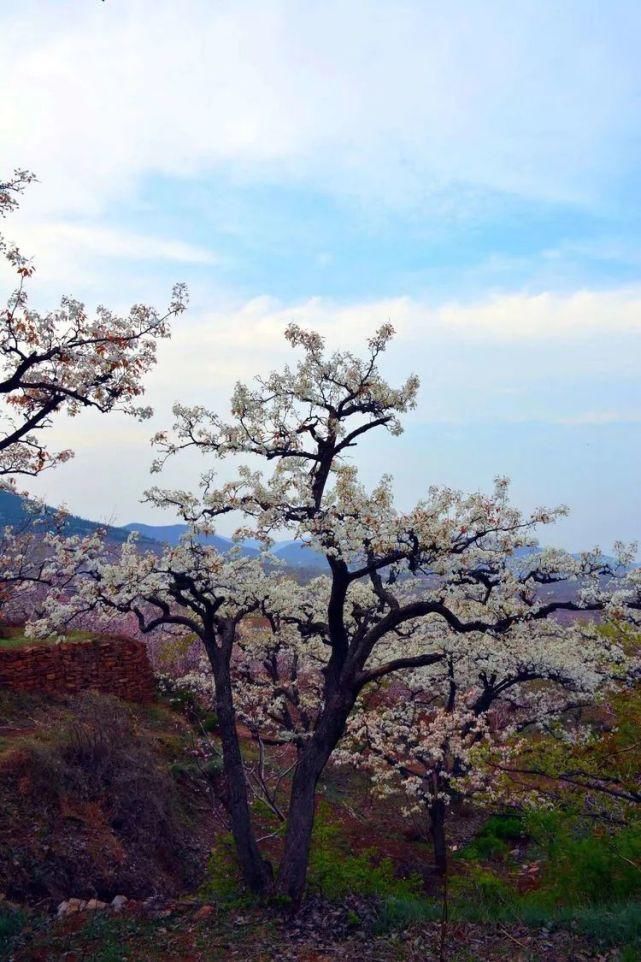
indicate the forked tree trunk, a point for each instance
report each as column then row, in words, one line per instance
column 437, row 831
column 256, row 871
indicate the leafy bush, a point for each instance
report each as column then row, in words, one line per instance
column 209, row 768
column 492, row 840
column 209, row 721
column 482, row 894
column 335, row 872
column 586, row 866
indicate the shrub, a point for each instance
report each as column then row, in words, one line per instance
column 586, row 865
column 99, row 754
column 482, row 894
column 492, row 840
column 335, row 872
column 90, row 807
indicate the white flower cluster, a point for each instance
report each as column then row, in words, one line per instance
column 64, row 360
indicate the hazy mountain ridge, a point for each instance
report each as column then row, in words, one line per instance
column 293, row 553
column 18, row 512
column 15, row 511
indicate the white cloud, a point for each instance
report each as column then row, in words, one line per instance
column 69, row 253
column 105, row 242
column 257, row 326
column 394, row 100
column 545, row 316
column 100, row 263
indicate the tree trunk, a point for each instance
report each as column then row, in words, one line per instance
column 257, row 872
column 300, row 819
column 437, row 831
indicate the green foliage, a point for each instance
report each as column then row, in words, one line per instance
column 586, row 865
column 492, row 841
column 483, row 893
column 11, row 924
column 334, row 871
column 223, row 880
column 630, row 953
column 210, row 768
column 402, row 911
column 209, row 721
column 590, row 882
column 13, row 638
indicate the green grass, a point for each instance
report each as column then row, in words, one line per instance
column 17, row 639
column 614, row 925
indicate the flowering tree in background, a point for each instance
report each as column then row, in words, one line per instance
column 190, row 587
column 455, row 727
column 397, row 581
column 64, row 360
column 59, row 362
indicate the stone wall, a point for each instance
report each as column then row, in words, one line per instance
column 115, row 666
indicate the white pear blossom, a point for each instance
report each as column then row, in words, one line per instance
column 65, row 360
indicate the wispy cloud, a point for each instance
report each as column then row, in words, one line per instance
column 400, row 102
column 58, row 237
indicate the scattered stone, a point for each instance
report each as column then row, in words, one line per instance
column 75, row 905
column 94, row 905
column 118, row 902
column 204, row 913
column 63, row 908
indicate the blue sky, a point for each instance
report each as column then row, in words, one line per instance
column 470, row 171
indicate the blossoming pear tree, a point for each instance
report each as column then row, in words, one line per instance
column 398, row 582
column 54, row 362
column 64, row 360
column 455, row 726
column 189, row 587
column 453, row 560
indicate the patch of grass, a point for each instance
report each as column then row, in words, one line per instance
column 482, row 894
column 16, row 639
column 102, row 938
column 629, row 953
column 335, row 871
column 586, row 865
column 487, row 898
column 209, row 769
column 402, row 911
column 223, row 880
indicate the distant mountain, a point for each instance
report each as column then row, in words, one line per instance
column 20, row 513
column 292, row 553
column 296, row 554
column 172, row 533
column 15, row 511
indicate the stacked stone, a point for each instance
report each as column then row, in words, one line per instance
column 114, row 666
